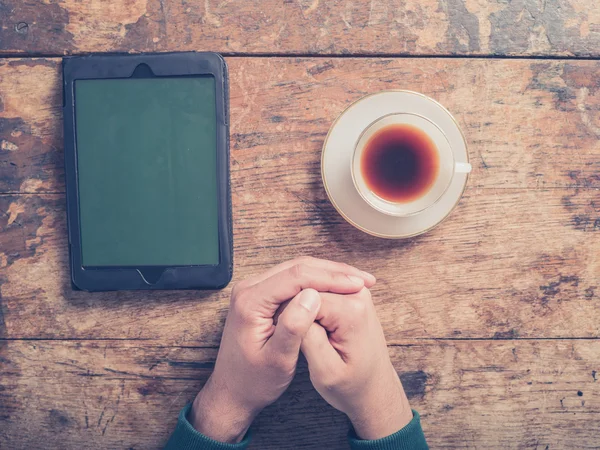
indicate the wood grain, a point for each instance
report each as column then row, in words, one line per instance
column 529, row 124
column 413, row 27
column 479, row 394
column 31, row 157
column 518, row 258
column 507, row 263
column 517, row 262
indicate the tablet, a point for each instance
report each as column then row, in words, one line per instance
column 147, row 171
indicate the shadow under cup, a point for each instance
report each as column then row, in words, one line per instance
column 403, row 164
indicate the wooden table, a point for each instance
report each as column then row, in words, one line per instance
column 493, row 318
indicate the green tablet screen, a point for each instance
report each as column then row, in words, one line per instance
column 146, row 158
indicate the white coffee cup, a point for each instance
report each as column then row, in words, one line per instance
column 447, row 166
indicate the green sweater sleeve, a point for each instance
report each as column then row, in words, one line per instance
column 185, row 437
column 410, row 437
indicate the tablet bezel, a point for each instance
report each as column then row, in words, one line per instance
column 148, row 66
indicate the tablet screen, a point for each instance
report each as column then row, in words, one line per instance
column 147, row 178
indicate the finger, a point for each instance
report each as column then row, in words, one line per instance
column 317, row 350
column 317, row 263
column 332, row 312
column 339, row 313
column 282, row 286
column 294, row 322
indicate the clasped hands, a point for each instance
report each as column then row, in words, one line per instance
column 330, row 317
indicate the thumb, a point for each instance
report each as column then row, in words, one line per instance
column 294, row 322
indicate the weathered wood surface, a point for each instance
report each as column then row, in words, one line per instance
column 518, row 258
column 415, row 27
column 517, row 261
column 529, row 124
column 507, row 263
column 472, row 394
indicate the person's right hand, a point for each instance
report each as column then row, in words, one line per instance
column 350, row 366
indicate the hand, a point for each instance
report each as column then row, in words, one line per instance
column 257, row 359
column 350, row 366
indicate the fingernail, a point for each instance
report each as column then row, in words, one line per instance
column 310, row 300
column 368, row 275
column 356, row 280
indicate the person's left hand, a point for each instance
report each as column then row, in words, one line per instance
column 257, row 357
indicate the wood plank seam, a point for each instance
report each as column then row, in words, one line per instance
column 332, row 56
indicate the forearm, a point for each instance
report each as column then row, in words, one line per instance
column 217, row 415
column 383, row 409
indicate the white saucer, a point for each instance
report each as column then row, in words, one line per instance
column 338, row 149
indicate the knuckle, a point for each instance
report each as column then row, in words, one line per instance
column 292, row 327
column 304, row 260
column 237, row 288
column 238, row 310
column 357, row 307
column 365, row 294
column 240, row 295
column 297, row 271
column 345, row 267
column 241, row 304
column 338, row 277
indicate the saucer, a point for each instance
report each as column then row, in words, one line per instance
column 336, row 160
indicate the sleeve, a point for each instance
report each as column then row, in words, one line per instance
column 186, row 437
column 410, row 437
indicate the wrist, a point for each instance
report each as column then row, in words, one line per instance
column 385, row 411
column 218, row 417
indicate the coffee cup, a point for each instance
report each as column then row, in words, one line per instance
column 403, row 164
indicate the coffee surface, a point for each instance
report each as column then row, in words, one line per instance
column 400, row 163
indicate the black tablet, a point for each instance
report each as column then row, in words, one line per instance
column 147, row 171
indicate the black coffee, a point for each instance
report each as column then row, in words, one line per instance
column 400, row 163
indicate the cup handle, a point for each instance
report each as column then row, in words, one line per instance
column 462, row 168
